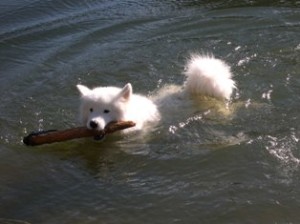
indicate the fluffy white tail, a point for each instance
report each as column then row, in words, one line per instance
column 207, row 75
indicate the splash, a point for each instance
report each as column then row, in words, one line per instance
column 174, row 128
column 284, row 149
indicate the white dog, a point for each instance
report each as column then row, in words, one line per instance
column 205, row 75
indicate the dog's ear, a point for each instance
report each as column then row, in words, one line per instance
column 126, row 92
column 83, row 90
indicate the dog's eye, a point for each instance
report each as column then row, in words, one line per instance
column 106, row 111
column 91, row 110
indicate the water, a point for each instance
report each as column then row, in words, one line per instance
column 199, row 165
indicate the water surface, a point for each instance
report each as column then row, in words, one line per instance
column 198, row 165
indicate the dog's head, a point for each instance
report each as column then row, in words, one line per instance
column 102, row 105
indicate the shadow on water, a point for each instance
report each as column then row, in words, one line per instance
column 232, row 4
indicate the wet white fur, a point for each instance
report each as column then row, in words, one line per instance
column 122, row 104
column 205, row 75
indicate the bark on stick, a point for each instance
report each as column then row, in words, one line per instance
column 51, row 136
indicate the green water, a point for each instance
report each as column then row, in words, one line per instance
column 195, row 166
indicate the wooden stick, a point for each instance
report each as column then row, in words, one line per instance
column 51, row 136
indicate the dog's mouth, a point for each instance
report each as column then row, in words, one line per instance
column 99, row 137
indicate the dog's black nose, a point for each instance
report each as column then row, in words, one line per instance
column 93, row 124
